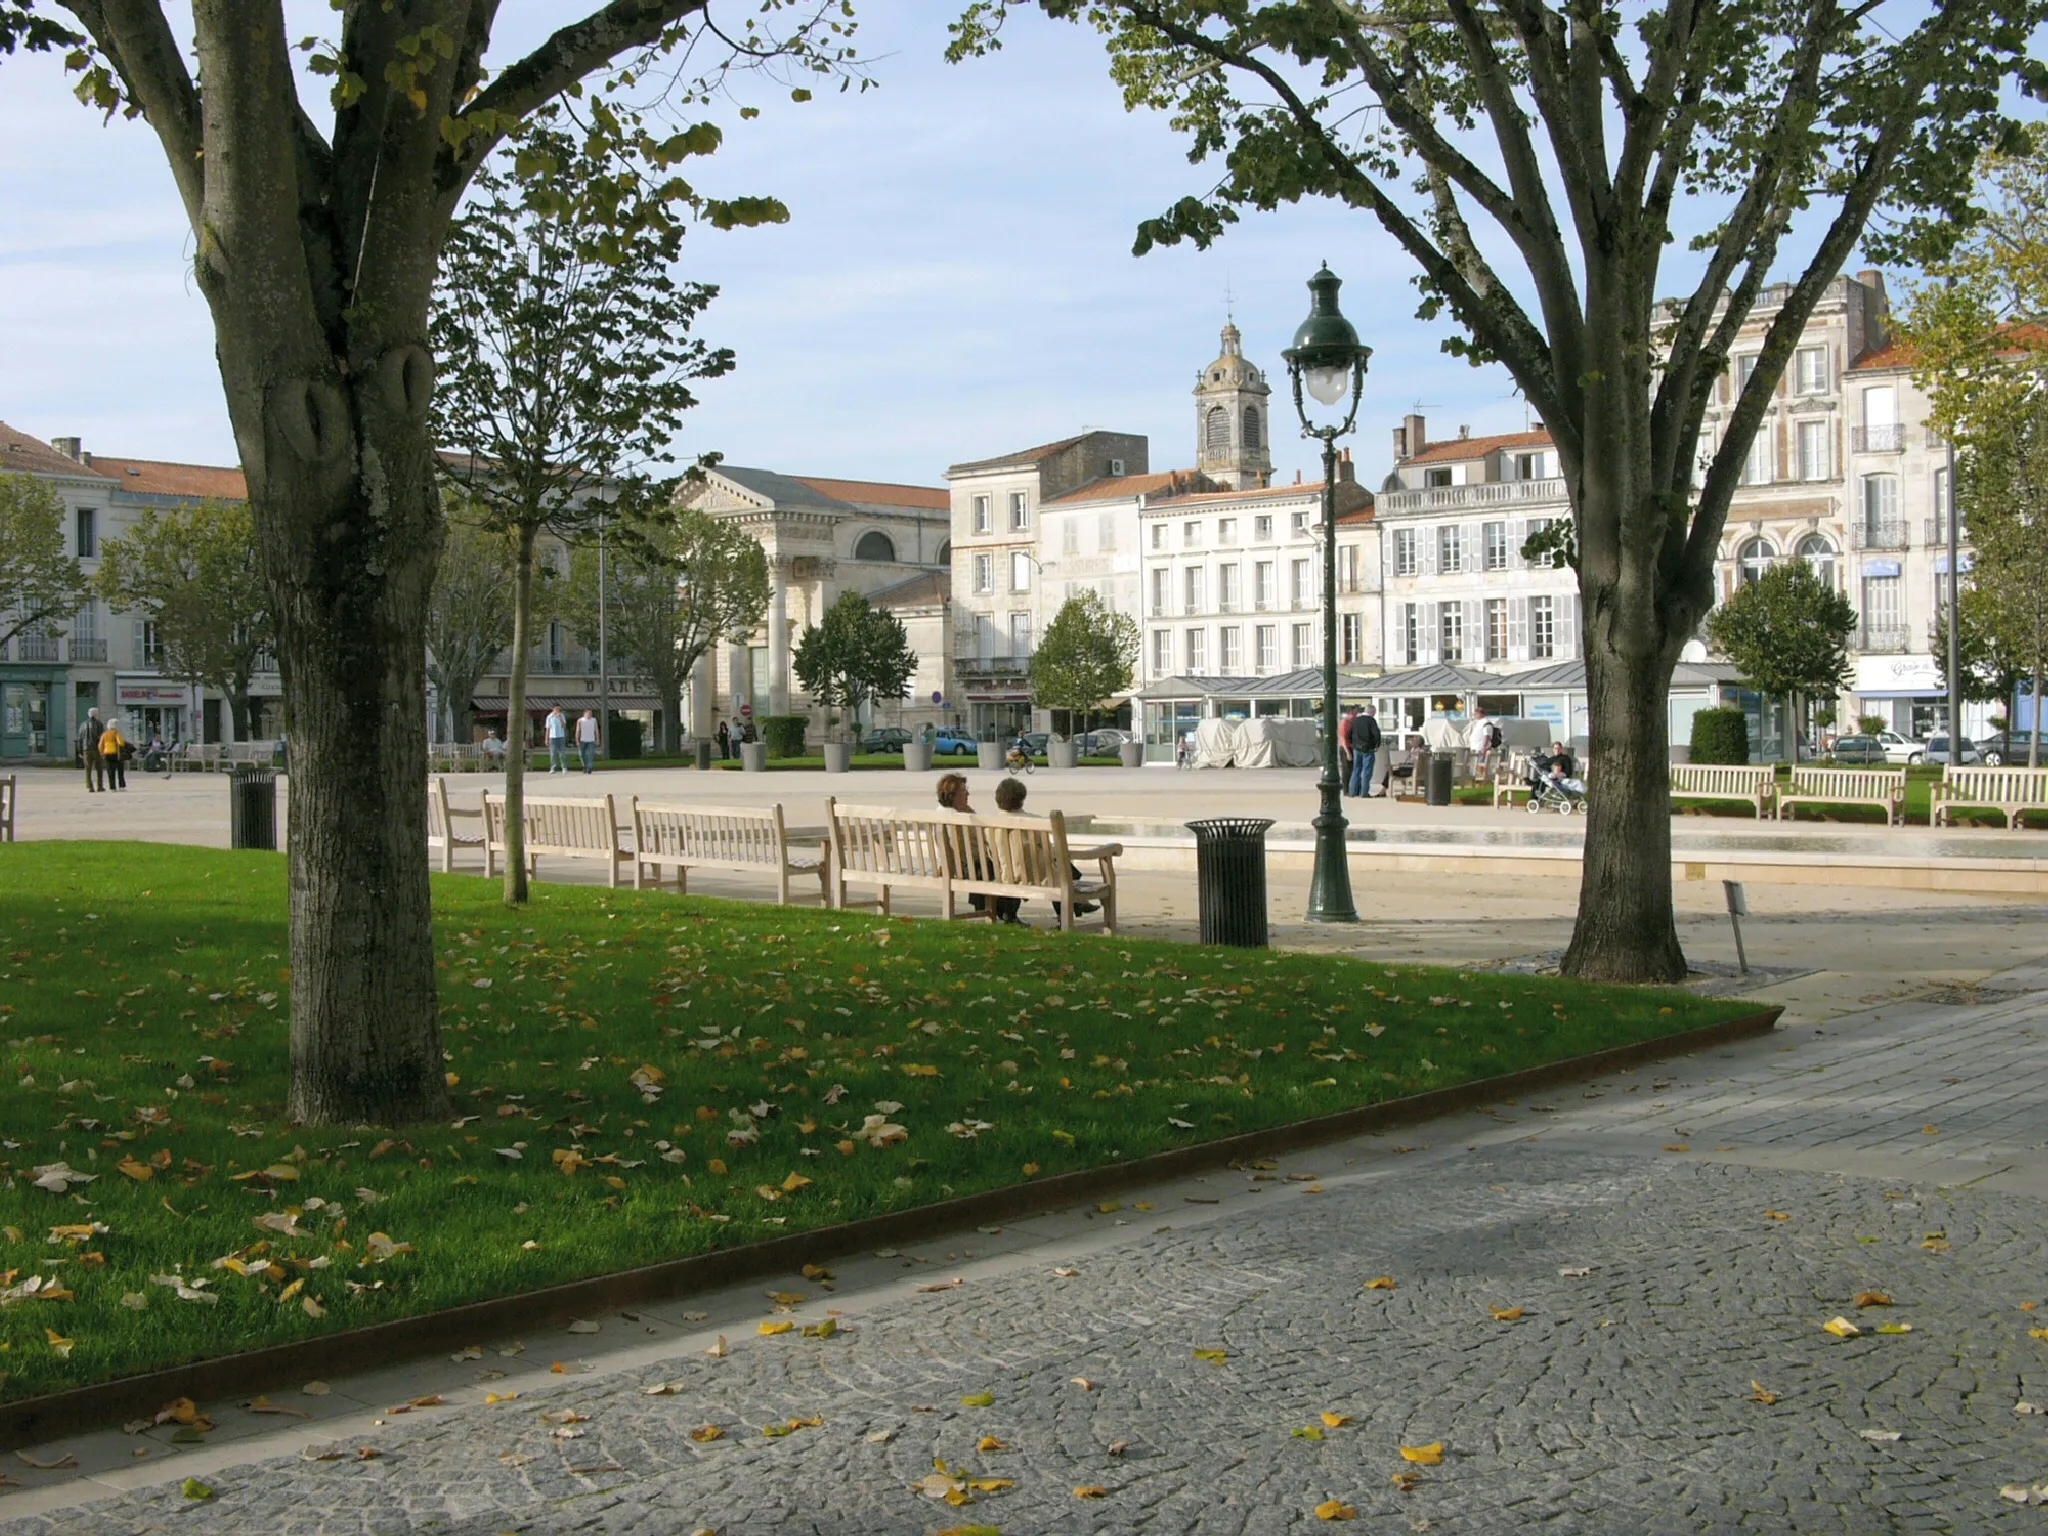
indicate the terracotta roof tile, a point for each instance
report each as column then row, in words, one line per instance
column 1457, row 450
column 1025, row 456
column 22, row 454
column 155, row 477
column 1170, row 482
column 881, row 492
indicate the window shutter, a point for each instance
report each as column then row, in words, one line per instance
column 1425, row 554
column 1518, row 530
column 1568, row 625
column 1475, row 631
column 1426, row 634
column 1518, row 629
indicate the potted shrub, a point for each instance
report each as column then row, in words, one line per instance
column 1088, row 654
column 989, row 749
column 859, row 654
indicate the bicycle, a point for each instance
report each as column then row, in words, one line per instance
column 1017, row 760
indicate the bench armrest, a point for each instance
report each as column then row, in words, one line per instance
column 1099, row 851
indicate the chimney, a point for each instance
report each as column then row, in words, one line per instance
column 1410, row 438
column 1346, row 473
column 70, row 447
column 1463, row 432
column 1297, row 477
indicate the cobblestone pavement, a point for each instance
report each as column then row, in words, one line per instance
column 1674, row 1239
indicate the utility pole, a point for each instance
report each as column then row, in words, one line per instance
column 1955, row 620
column 604, row 680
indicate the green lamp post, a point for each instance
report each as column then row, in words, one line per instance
column 1328, row 360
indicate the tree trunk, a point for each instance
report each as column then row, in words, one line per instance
column 459, row 727
column 515, row 723
column 1626, row 929
column 239, row 713
column 2034, row 739
column 1798, row 725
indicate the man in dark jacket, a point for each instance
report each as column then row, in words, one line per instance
column 1364, row 739
column 89, row 732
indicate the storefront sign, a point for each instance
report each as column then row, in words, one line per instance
column 1881, row 568
column 152, row 693
column 1897, row 674
column 1964, row 563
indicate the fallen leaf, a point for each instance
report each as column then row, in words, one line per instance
column 1779, row 1215
column 1678, row 1146
column 1505, row 1314
column 1308, row 1432
column 1575, row 1272
column 1872, row 1299
column 1759, row 1395
column 1894, row 1327
column 769, row 1330
column 501, row 1397
column 265, row 1405
column 1336, row 1420
column 990, row 1443
column 1084, row 1383
column 1429, row 1455
column 1383, row 1283
column 1880, row 1436
column 139, row 1172
column 195, row 1489
column 316, row 1389
column 56, row 1465
column 1091, row 1491
column 943, row 1285
column 584, row 1325
column 1406, row 1481
column 2037, row 1333
column 1213, row 1356
column 824, row 1330
column 60, row 1344
column 1335, row 1509
column 1841, row 1328
column 979, row 1400
column 719, row 1350
column 705, row 1434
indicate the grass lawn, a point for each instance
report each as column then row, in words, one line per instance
column 636, row 1077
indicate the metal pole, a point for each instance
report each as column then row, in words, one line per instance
column 1955, row 621
column 1329, row 893
column 604, row 683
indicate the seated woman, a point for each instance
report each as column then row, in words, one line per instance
column 953, row 797
column 1556, row 769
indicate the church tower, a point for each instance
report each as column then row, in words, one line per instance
column 1233, row 419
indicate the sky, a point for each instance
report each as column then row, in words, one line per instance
column 955, row 282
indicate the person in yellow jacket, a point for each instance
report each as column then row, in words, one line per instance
column 114, row 752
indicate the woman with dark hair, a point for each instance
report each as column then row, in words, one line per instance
column 953, row 797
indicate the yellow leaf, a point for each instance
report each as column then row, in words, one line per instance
column 1678, row 1146
column 769, row 1330
column 991, row 1443
column 1308, row 1432
column 501, row 1397
column 1872, row 1299
column 1336, row 1420
column 1030, row 1170
column 817, row 1272
column 291, row 1290
column 979, row 1400
column 1841, row 1328
column 1429, row 1455
column 705, row 1434
column 793, row 1183
column 1091, row 1491
column 1406, row 1481
column 1505, row 1314
column 310, row 1305
column 1143, row 1205
column 2037, row 1333
column 991, row 1484
column 1110, row 1207
column 60, row 1344
column 1335, row 1509
column 1213, row 1356
column 192, row 1488
column 615, row 1181
column 1759, row 1395
column 823, row 1330
column 717, row 1166
column 1779, row 1215
column 139, row 1172
column 283, row 1171
column 1383, row 1283
column 845, row 1148
column 1894, row 1327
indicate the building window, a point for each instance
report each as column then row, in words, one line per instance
column 1404, row 552
column 984, row 521
column 1020, row 571
column 1304, row 646
column 88, row 534
column 876, row 546
column 1196, row 588
column 1436, row 479
column 1262, row 529
column 1105, row 533
column 1881, row 506
column 1160, row 580
column 1450, row 632
column 149, row 646
column 1020, row 634
column 1262, row 595
column 1813, row 450
column 984, row 573
column 1542, row 628
column 1756, row 465
column 1496, row 629
column 1299, row 522
column 1198, row 650
column 1883, row 626
column 1351, row 639
column 1745, row 366
column 1269, row 647
column 1817, row 552
column 1020, row 511
column 1494, row 536
column 1811, row 370
column 1070, row 536
column 1216, row 430
column 1450, row 549
column 1251, row 426
column 1228, row 580
column 1351, row 568
column 1304, row 588
column 1228, row 649
column 1190, row 535
column 1162, row 652
column 1159, row 535
column 1753, row 559
column 1226, row 530
column 1528, row 466
column 1411, row 633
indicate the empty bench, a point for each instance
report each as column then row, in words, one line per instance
column 1885, row 789
column 1756, row 783
column 10, row 792
column 888, row 849
column 1511, row 772
column 743, row 839
column 2010, row 790
column 560, row 829
column 445, row 828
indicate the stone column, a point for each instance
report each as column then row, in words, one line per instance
column 778, row 639
column 703, row 699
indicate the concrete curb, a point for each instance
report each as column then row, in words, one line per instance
column 36, row 1420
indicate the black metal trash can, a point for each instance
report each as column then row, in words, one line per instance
column 703, row 756
column 252, row 808
column 1438, row 790
column 1230, row 873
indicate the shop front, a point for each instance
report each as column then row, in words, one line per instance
column 1906, row 692
column 33, row 721
column 152, row 709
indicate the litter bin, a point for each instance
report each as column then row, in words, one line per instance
column 252, row 808
column 1230, row 872
column 703, row 756
column 1438, row 790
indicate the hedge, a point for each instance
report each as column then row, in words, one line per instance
column 784, row 734
column 1720, row 736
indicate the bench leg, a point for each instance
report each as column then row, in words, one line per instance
column 782, row 884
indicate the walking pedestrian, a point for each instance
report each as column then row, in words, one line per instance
column 586, row 740
column 1344, row 745
column 114, row 755
column 89, row 733
column 558, row 741
column 724, row 742
column 1365, row 750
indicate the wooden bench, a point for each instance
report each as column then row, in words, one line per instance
column 197, row 757
column 10, row 796
column 444, row 833
column 889, row 849
column 734, row 837
column 2011, row 790
column 561, row 829
column 1511, row 772
column 1847, row 786
column 1755, row 782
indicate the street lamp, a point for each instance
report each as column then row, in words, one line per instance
column 1328, row 360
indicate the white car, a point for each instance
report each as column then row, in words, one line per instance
column 1901, row 749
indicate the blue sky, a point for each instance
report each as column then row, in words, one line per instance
column 955, row 282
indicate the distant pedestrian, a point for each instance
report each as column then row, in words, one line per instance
column 89, row 732
column 1365, row 750
column 114, row 755
column 586, row 740
column 1482, row 737
column 558, row 741
column 724, row 742
column 1344, row 743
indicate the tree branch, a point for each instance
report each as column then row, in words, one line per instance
column 138, row 43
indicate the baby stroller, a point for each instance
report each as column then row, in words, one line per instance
column 1546, row 794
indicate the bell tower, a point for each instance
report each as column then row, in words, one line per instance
column 1233, row 423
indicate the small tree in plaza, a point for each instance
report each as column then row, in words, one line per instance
column 39, row 583
column 196, row 574
column 859, row 654
column 2003, row 483
column 1087, row 654
column 675, row 585
column 1789, row 632
column 469, row 621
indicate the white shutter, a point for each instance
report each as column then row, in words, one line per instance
column 1427, row 636
column 1518, row 629
column 1475, row 632
column 1568, row 625
column 1425, row 555
column 1518, row 530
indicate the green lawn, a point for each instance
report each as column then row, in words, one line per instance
column 674, row 1075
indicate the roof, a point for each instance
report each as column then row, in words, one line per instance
column 1303, row 680
column 1275, row 493
column 781, row 490
column 156, row 477
column 1169, row 482
column 1024, row 456
column 1456, row 450
column 920, row 591
column 22, row 454
column 1896, row 356
column 881, row 492
column 1438, row 677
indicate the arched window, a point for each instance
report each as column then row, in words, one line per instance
column 875, row 546
column 1817, row 552
column 1756, row 557
column 945, row 554
column 1251, row 426
column 1216, row 430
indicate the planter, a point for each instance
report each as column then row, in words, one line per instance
column 917, row 757
column 990, row 755
column 1062, row 754
column 1132, row 752
column 754, row 757
column 838, row 756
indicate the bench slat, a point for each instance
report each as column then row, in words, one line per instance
column 2008, row 790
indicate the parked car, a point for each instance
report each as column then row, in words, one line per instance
column 1859, row 749
column 890, row 738
column 1034, row 742
column 2009, row 749
column 950, row 743
column 1937, row 750
column 1104, row 743
column 1901, row 749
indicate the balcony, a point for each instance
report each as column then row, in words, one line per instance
column 88, row 650
column 1452, row 498
column 1889, row 437
column 1934, row 533
column 1885, row 639
column 1879, row 534
column 975, row 665
column 38, row 648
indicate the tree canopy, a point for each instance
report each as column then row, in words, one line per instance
column 469, row 616
column 40, row 586
column 1086, row 656
column 1789, row 632
column 859, row 654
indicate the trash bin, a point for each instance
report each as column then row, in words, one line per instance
column 703, row 756
column 252, row 808
column 1437, row 787
column 1230, row 872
